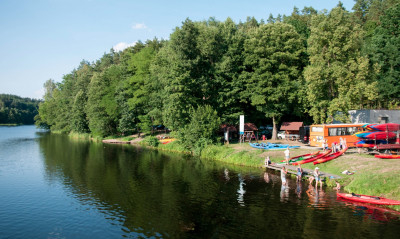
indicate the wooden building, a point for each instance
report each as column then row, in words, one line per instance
column 292, row 130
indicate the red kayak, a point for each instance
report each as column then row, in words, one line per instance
column 386, row 127
column 368, row 199
column 312, row 158
column 379, row 135
column 330, row 157
column 303, row 156
column 387, row 156
column 365, row 145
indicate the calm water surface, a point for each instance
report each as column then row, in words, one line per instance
column 55, row 187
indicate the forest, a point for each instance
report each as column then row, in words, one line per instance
column 307, row 66
column 17, row 110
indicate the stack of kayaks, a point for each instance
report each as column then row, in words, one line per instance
column 330, row 157
column 271, row 146
column 369, row 143
column 368, row 199
column 311, row 159
column 376, row 134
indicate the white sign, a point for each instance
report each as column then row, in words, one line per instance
column 241, row 125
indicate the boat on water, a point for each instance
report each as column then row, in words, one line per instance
column 330, row 157
column 368, row 199
column 272, row 146
column 387, row 156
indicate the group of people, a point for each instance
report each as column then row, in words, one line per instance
column 299, row 173
column 316, row 176
column 335, row 146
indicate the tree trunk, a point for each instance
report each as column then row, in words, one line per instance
column 274, row 130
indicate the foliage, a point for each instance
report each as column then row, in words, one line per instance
column 273, row 68
column 17, row 110
column 384, row 50
column 201, row 130
column 338, row 76
column 309, row 66
column 151, row 141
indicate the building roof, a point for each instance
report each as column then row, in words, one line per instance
column 250, row 127
column 225, row 127
column 291, row 125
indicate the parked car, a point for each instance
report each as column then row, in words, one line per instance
column 281, row 134
column 305, row 134
column 265, row 130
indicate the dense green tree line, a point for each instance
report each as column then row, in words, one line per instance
column 17, row 110
column 307, row 66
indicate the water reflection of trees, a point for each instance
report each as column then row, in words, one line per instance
column 167, row 195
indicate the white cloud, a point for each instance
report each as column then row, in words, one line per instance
column 123, row 45
column 139, row 26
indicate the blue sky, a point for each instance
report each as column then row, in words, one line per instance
column 43, row 39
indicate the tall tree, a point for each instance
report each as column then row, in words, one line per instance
column 102, row 107
column 384, row 50
column 338, row 76
column 273, row 69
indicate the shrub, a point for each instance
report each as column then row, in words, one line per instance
column 151, row 141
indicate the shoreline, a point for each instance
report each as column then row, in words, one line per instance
column 370, row 176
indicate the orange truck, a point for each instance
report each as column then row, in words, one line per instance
column 332, row 134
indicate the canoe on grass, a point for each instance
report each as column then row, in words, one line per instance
column 166, row 141
column 368, row 199
column 330, row 157
column 293, row 159
column 387, row 156
column 309, row 160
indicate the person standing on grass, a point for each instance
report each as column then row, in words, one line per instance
column 287, row 155
column 283, row 175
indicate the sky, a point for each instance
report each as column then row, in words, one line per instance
column 46, row 39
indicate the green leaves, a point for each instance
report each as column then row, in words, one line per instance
column 338, row 76
column 273, row 68
column 201, row 130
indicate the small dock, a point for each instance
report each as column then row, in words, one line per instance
column 306, row 172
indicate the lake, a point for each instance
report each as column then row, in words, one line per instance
column 52, row 186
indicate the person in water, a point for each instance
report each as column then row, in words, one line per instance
column 317, row 176
column 299, row 173
column 283, row 175
column 337, row 186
